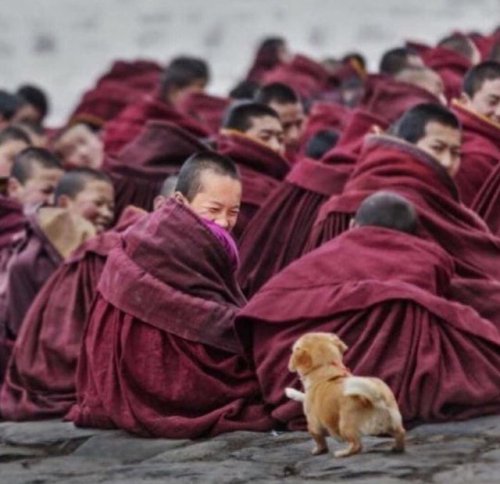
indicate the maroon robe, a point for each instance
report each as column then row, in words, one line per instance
column 383, row 292
column 208, row 110
column 141, row 167
column 128, row 124
column 103, row 103
column 261, row 172
column 390, row 99
column 266, row 59
column 160, row 355
column 487, row 201
column 40, row 381
column 279, row 231
column 140, row 74
column 480, row 152
column 451, row 66
column 391, row 164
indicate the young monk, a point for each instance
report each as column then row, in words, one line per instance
column 12, row 141
column 34, row 105
column 34, row 177
column 183, row 76
column 253, row 137
column 397, row 59
column 479, row 113
column 160, row 357
column 384, row 291
column 84, row 206
column 9, row 104
column 286, row 102
column 79, row 146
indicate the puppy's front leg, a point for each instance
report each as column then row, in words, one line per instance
column 321, row 446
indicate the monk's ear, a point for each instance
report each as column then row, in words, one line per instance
column 180, row 198
column 13, row 187
column 300, row 360
column 63, row 201
column 376, row 129
column 465, row 99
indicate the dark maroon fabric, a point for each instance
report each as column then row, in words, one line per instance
column 266, row 59
column 384, row 293
column 140, row 74
column 12, row 221
column 208, row 110
column 419, row 47
column 451, row 66
column 480, row 152
column 160, row 355
column 306, row 76
column 40, row 381
column 261, row 172
column 128, row 124
column 103, row 103
column 487, row 201
column 389, row 98
column 141, row 167
column 391, row 164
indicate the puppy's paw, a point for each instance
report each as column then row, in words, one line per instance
column 319, row 450
column 398, row 448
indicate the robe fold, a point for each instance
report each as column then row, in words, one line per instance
column 451, row 66
column 261, row 169
column 391, row 164
column 206, row 109
column 140, row 74
column 382, row 292
column 487, row 201
column 160, row 355
column 480, row 152
column 141, row 167
column 128, row 124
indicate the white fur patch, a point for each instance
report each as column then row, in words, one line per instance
column 293, row 394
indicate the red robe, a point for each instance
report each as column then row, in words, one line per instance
column 480, row 152
column 140, row 169
column 128, row 124
column 160, row 355
column 390, row 99
column 384, row 293
column 451, row 66
column 487, row 201
column 391, row 164
column 278, row 233
column 208, row 110
column 261, row 172
column 40, row 381
column 140, row 74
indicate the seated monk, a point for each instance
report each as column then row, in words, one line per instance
column 252, row 136
column 479, row 113
column 278, row 232
column 183, row 76
column 286, row 102
column 383, row 291
column 160, row 357
column 79, row 146
column 271, row 52
column 40, row 381
column 13, row 140
column 418, row 162
column 84, row 206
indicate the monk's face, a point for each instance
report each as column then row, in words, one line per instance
column 8, row 151
column 486, row 101
column 442, row 143
column 38, row 188
column 218, row 200
column 268, row 130
column 79, row 146
column 27, row 113
column 292, row 120
column 94, row 203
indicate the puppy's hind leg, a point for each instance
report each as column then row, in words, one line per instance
column 321, row 446
column 348, row 431
column 399, row 436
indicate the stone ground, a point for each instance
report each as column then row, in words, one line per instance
column 57, row 452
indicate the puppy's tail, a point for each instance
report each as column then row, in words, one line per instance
column 293, row 394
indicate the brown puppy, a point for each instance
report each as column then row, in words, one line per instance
column 337, row 403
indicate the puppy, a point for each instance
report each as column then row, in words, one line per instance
column 337, row 403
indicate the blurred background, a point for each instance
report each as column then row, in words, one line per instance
column 63, row 45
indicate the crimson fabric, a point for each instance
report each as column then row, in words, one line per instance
column 160, row 355
column 140, row 74
column 12, row 221
column 485, row 42
column 389, row 98
column 128, row 124
column 383, row 292
column 451, row 66
column 391, row 164
column 306, row 76
column 261, row 171
column 208, row 110
column 266, row 59
column 103, row 103
column 487, row 201
column 40, row 381
column 480, row 152
column 418, row 47
column 140, row 169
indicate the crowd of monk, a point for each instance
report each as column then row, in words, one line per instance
column 161, row 252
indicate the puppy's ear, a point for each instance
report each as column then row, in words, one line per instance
column 300, row 360
column 339, row 344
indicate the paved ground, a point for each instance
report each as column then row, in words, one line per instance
column 56, row 452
